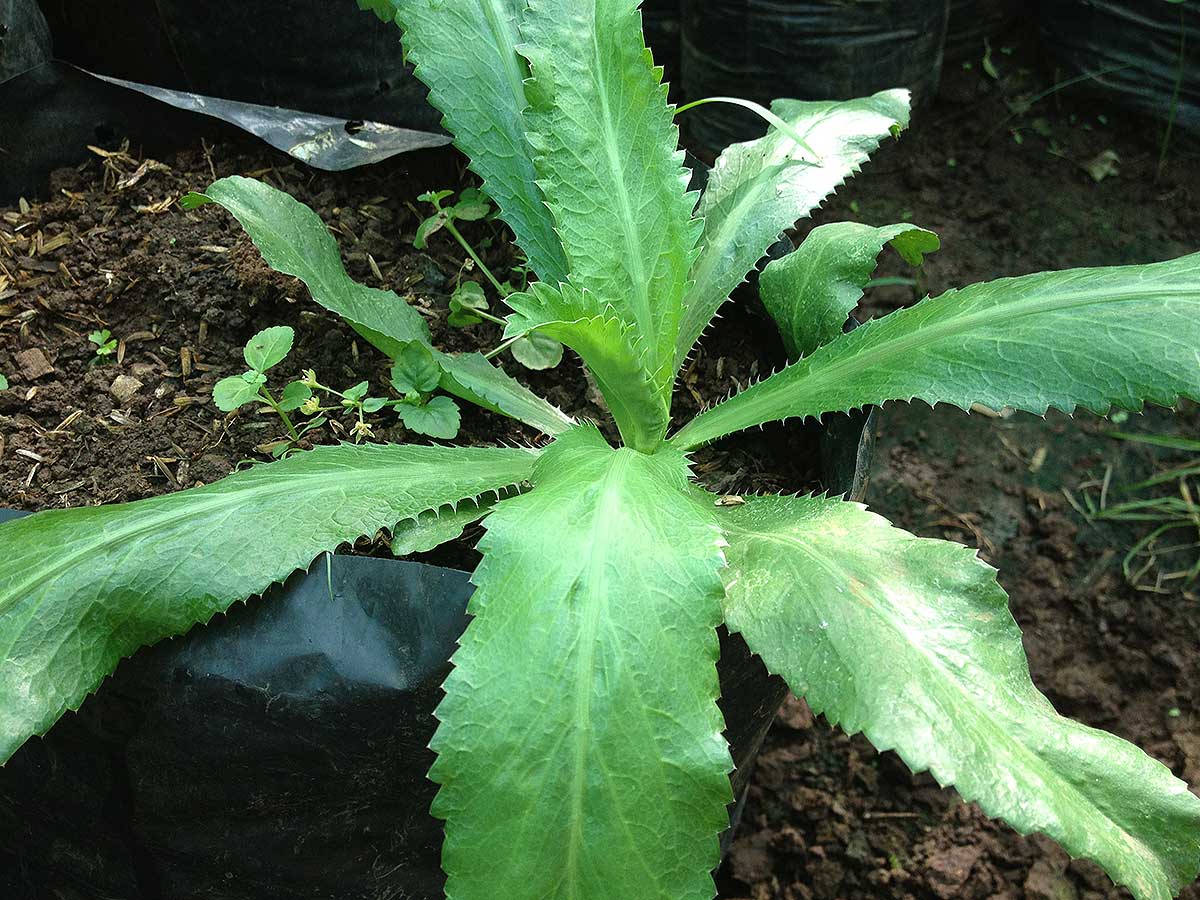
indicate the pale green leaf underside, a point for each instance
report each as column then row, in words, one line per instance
column 465, row 53
column 293, row 240
column 1094, row 338
column 608, row 345
column 607, row 158
column 82, row 588
column 435, row 527
column 759, row 188
column 580, row 751
column 811, row 292
column 910, row 641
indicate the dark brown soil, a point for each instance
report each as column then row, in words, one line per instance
column 828, row 817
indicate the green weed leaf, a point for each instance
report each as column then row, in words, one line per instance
column 435, row 527
column 580, row 750
column 1095, row 338
column 537, row 352
column 439, row 418
column 910, row 641
column 465, row 52
column 609, row 164
column 3, row 383
column 236, row 391
column 294, row 396
column 416, row 370
column 759, row 188
column 82, row 588
column 269, row 347
column 811, row 292
column 467, row 299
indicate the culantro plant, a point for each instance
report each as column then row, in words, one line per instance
column 580, row 750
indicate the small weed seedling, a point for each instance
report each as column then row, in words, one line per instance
column 415, row 376
column 104, row 342
column 580, row 748
column 468, row 303
column 3, row 383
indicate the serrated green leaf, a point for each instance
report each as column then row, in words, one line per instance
column 759, row 188
column 537, row 352
column 474, row 379
column 608, row 162
column 416, row 370
column 294, row 396
column 910, row 641
column 466, row 53
column 235, row 392
column 269, row 347
column 811, row 292
column 435, row 527
column 293, row 240
column 82, row 588
column 439, row 418
column 580, row 751
column 609, row 346
column 1094, row 338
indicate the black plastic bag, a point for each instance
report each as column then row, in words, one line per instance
column 805, row 49
column 313, row 55
column 661, row 20
column 974, row 21
column 24, row 37
column 1135, row 50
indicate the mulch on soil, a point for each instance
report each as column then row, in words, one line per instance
column 827, row 817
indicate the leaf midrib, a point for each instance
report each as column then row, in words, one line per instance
column 818, row 375
column 191, row 509
column 935, row 663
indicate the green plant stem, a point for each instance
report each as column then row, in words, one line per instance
column 1166, row 143
column 762, row 112
column 457, row 235
column 489, row 317
column 287, row 420
column 504, row 346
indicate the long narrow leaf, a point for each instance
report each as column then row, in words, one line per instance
column 294, row 240
column 910, row 641
column 759, row 188
column 465, row 52
column 609, row 164
column 82, row 588
column 1095, row 338
column 580, row 751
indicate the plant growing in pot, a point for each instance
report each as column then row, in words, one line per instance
column 580, row 750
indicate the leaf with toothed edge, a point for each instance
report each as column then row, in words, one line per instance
column 811, row 292
column 609, row 346
column 608, row 161
column 758, row 189
column 465, row 52
column 435, row 527
column 910, row 641
column 1095, row 338
column 80, row 589
column 580, row 751
column 473, row 378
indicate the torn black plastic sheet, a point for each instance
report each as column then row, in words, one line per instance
column 52, row 112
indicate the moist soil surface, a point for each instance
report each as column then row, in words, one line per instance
column 1009, row 194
